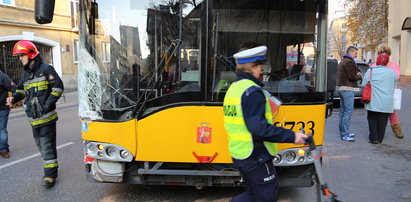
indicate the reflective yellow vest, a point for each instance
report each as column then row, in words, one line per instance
column 240, row 141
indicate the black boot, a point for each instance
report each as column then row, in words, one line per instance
column 48, row 182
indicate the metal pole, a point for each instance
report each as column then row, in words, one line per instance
column 215, row 54
column 4, row 59
column 177, row 70
column 155, row 45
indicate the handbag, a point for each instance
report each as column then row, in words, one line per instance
column 397, row 98
column 366, row 93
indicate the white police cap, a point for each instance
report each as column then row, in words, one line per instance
column 251, row 55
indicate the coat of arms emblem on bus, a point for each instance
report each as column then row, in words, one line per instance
column 204, row 133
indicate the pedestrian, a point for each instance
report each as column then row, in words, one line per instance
column 394, row 120
column 383, row 81
column 6, row 86
column 248, row 118
column 40, row 87
column 347, row 76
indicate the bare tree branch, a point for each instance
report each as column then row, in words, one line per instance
column 337, row 45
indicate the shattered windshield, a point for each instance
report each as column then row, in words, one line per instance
column 135, row 51
column 288, row 28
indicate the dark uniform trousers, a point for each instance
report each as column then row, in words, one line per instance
column 45, row 138
column 260, row 180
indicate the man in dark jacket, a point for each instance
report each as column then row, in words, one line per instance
column 6, row 86
column 347, row 76
column 41, row 87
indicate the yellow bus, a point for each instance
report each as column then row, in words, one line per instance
column 153, row 75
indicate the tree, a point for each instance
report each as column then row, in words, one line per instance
column 175, row 4
column 337, row 45
column 367, row 21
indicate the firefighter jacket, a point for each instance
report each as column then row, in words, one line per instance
column 6, row 86
column 41, row 87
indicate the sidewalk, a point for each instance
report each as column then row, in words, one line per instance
column 405, row 82
column 68, row 99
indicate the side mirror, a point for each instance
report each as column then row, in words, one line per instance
column 44, row 11
column 332, row 65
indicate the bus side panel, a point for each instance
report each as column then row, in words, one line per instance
column 174, row 134
column 309, row 117
column 119, row 133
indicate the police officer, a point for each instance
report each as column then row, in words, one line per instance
column 248, row 118
column 41, row 87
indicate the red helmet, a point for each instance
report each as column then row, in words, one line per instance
column 25, row 47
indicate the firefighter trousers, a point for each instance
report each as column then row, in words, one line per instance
column 45, row 138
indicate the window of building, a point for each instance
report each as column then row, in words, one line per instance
column 344, row 26
column 343, row 48
column 8, row 2
column 75, row 50
column 105, row 49
column 74, row 7
column 343, row 38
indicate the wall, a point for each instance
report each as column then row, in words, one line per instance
column 398, row 40
column 17, row 23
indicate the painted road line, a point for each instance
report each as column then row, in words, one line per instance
column 31, row 156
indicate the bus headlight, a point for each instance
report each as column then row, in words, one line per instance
column 111, row 151
column 309, row 155
column 301, row 152
column 290, row 156
column 277, row 158
column 91, row 149
column 124, row 154
column 108, row 152
column 295, row 156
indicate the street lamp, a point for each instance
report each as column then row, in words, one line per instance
column 406, row 25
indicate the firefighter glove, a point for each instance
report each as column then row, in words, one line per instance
column 36, row 109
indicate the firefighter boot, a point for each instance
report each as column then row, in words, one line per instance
column 48, row 182
column 396, row 128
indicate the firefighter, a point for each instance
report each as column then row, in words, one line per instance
column 248, row 118
column 41, row 87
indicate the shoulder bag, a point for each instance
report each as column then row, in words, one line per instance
column 366, row 93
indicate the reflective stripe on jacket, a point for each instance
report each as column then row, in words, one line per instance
column 239, row 137
column 41, row 83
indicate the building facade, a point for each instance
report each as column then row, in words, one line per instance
column 400, row 40
column 57, row 41
column 339, row 38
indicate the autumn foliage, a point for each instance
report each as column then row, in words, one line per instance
column 367, row 21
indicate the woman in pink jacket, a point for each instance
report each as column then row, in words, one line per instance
column 395, row 122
